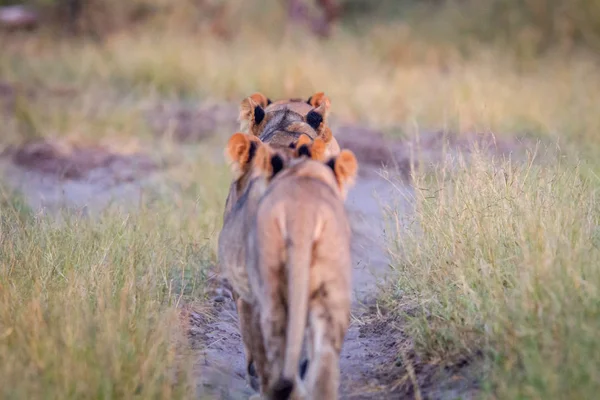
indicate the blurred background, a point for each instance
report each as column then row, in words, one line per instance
column 499, row 65
column 516, row 68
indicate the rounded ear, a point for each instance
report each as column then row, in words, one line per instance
column 314, row 119
column 251, row 111
column 302, row 140
column 260, row 99
column 345, row 167
column 303, row 145
column 262, row 159
column 247, row 109
column 319, row 98
column 314, row 149
column 267, row 162
column 316, row 116
column 241, row 149
column 318, row 149
column 276, row 164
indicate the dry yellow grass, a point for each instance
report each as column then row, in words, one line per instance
column 501, row 258
column 89, row 306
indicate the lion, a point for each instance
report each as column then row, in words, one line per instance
column 299, row 269
column 284, row 121
column 254, row 165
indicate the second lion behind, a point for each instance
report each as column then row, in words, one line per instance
column 299, row 261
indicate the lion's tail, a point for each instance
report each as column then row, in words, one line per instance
column 299, row 255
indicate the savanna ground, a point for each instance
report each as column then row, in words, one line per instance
column 475, row 215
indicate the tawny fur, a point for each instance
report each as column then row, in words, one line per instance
column 299, row 266
column 252, row 163
column 251, row 177
column 285, row 120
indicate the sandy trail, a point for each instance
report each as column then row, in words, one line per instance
column 368, row 346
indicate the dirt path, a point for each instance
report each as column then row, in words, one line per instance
column 368, row 348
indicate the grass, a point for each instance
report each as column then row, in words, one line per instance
column 500, row 259
column 90, row 307
column 389, row 78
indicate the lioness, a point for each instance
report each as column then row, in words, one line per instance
column 282, row 122
column 299, row 269
column 254, row 164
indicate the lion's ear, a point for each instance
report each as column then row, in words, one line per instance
column 318, row 149
column 304, row 139
column 315, row 117
column 240, row 150
column 267, row 162
column 314, row 149
column 261, row 99
column 277, row 164
column 261, row 160
column 303, row 146
column 345, row 168
column 251, row 112
column 319, row 98
column 325, row 133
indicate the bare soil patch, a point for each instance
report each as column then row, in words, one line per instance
column 190, row 123
column 368, row 361
column 69, row 161
column 54, row 175
column 369, row 357
column 215, row 335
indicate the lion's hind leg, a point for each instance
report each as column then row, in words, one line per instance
column 248, row 333
column 327, row 330
column 273, row 323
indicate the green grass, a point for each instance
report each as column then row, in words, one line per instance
column 90, row 307
column 501, row 258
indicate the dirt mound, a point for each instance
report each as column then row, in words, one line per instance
column 77, row 162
